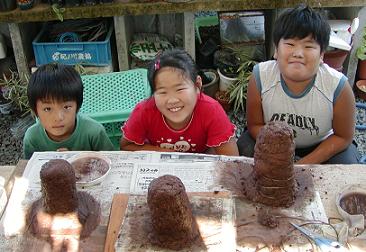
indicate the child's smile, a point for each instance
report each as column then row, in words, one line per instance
column 175, row 109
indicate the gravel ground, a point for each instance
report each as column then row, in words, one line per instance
column 11, row 140
column 10, row 146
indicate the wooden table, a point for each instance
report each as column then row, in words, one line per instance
column 329, row 180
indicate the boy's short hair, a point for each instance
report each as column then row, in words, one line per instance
column 176, row 58
column 300, row 22
column 55, row 82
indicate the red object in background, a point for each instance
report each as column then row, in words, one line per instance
column 25, row 4
column 361, row 89
column 223, row 98
column 335, row 58
column 361, row 68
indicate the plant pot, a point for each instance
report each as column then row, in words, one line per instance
column 361, row 69
column 25, row 4
column 5, row 107
column 223, row 98
column 7, row 5
column 335, row 58
column 361, row 89
column 225, row 81
column 212, row 86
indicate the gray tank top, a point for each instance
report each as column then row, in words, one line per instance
column 310, row 114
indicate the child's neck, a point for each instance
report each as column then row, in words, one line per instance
column 178, row 126
column 296, row 87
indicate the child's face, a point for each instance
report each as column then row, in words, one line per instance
column 175, row 96
column 57, row 117
column 298, row 59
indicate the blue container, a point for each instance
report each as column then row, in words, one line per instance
column 96, row 53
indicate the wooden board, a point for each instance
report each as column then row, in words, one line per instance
column 21, row 240
column 118, row 209
column 213, row 214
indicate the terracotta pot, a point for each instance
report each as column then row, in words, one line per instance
column 335, row 59
column 361, row 89
column 223, row 98
column 361, row 69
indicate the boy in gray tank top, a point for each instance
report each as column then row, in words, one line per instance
column 315, row 100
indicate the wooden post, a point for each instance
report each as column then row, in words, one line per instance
column 188, row 34
column 123, row 39
column 19, row 50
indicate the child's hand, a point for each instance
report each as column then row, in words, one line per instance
column 63, row 149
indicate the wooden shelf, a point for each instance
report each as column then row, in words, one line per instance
column 44, row 12
column 21, row 22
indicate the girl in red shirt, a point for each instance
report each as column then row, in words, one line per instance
column 178, row 116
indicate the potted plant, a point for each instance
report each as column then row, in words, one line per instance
column 210, row 81
column 361, row 55
column 224, row 99
column 227, row 63
column 5, row 105
column 14, row 89
column 25, row 4
column 238, row 90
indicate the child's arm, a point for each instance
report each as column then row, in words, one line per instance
column 254, row 112
column 130, row 146
column 343, row 127
column 229, row 148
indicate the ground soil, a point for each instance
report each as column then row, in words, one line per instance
column 10, row 146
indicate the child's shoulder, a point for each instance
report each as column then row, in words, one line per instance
column 147, row 105
column 328, row 71
column 269, row 64
column 84, row 120
column 34, row 129
column 207, row 103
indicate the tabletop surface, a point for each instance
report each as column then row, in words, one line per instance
column 329, row 180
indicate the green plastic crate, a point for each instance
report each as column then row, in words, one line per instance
column 114, row 132
column 109, row 98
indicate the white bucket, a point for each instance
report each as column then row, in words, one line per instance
column 225, row 82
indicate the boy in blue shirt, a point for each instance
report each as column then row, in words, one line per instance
column 55, row 94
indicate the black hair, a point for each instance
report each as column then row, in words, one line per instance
column 301, row 22
column 176, row 58
column 56, row 82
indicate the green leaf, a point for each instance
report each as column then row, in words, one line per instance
column 361, row 51
column 58, row 11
